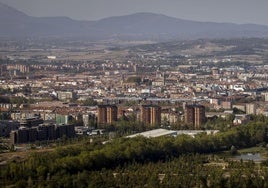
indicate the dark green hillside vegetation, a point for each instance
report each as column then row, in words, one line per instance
column 185, row 171
column 156, row 162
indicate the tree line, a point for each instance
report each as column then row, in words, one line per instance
column 93, row 164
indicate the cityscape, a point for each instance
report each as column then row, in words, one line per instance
column 154, row 111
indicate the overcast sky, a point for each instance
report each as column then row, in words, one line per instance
column 236, row 11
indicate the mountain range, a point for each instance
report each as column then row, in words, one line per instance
column 139, row 26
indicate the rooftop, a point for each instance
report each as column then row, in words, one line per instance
column 154, row 133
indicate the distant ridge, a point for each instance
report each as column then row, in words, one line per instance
column 139, row 26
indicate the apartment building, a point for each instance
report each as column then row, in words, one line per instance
column 41, row 133
column 195, row 115
column 151, row 114
column 107, row 114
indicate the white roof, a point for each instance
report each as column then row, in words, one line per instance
column 165, row 132
column 154, row 133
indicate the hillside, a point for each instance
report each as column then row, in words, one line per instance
column 139, row 26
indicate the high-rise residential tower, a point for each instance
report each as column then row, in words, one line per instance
column 151, row 114
column 107, row 114
column 195, row 115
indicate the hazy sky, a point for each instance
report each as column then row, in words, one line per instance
column 236, row 11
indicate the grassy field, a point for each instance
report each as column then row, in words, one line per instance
column 253, row 150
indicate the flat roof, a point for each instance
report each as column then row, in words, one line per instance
column 165, row 132
column 154, row 133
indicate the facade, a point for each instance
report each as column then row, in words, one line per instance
column 226, row 104
column 169, row 117
column 41, row 133
column 31, row 122
column 266, row 97
column 215, row 71
column 89, row 119
column 46, row 132
column 23, row 115
column 189, row 115
column 21, row 135
column 151, row 114
column 66, row 95
column 62, row 119
column 102, row 114
column 195, row 115
column 111, row 114
column 240, row 119
column 200, row 116
column 7, row 126
column 251, row 108
column 107, row 114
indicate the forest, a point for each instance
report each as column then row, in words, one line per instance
column 182, row 161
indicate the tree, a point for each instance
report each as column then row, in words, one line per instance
column 4, row 99
column 233, row 150
column 134, row 79
column 18, row 100
column 78, row 121
column 89, row 102
column 238, row 111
